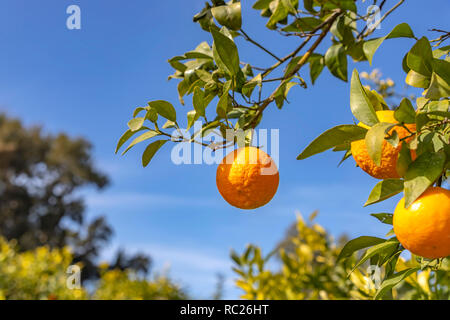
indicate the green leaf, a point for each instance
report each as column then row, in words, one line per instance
column 136, row 123
column 248, row 88
column 280, row 13
column 404, row 160
column 225, row 53
column 309, row 5
column 371, row 46
column 375, row 138
column 151, row 150
column 303, row 25
column 393, row 280
column 384, row 190
column 198, row 100
column 261, row 4
column 385, row 218
column 192, row 116
column 316, row 65
column 360, row 103
column 405, row 112
column 151, row 114
column 336, row 61
column 439, row 88
column 420, row 57
column 169, row 124
column 357, row 244
column 439, row 52
column 379, row 249
column 282, row 92
column 138, row 110
column 224, row 105
column 164, row 109
column 333, row 137
column 228, row 15
column 125, row 137
column 417, row 80
column 145, row 136
column 421, row 174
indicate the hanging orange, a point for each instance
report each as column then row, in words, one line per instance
column 424, row 227
column 247, row 178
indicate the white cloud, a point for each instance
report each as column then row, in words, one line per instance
column 140, row 200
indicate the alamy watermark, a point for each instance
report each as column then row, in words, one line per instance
column 373, row 278
column 218, row 145
column 374, row 17
column 73, row 22
column 73, row 280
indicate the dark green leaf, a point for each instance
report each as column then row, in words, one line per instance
column 404, row 160
column 420, row 57
column 316, row 64
column 336, row 61
column 145, row 136
column 225, row 53
column 125, row 137
column 379, row 249
column 198, row 100
column 164, row 109
column 228, row 15
column 303, row 25
column 384, row 190
column 401, row 30
column 357, row 244
column 332, row 138
column 385, row 218
column 393, row 280
column 151, row 150
column 405, row 112
column 421, row 174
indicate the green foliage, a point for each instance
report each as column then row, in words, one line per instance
column 309, row 268
column 385, row 189
column 430, row 141
column 214, row 73
column 313, row 266
column 36, row 274
column 41, row 274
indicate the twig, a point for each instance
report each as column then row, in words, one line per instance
column 300, row 63
column 377, row 23
column 247, row 37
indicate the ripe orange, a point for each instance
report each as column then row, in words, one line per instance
column 247, row 178
column 389, row 154
column 424, row 227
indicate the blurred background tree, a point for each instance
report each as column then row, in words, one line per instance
column 41, row 273
column 40, row 176
column 305, row 265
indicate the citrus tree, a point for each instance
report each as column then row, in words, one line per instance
column 405, row 145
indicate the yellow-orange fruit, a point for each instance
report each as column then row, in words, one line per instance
column 247, row 178
column 424, row 227
column 389, row 154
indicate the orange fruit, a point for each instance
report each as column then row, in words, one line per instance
column 424, row 227
column 247, row 178
column 389, row 154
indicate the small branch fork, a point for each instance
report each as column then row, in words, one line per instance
column 326, row 28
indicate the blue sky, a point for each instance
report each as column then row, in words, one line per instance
column 87, row 82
